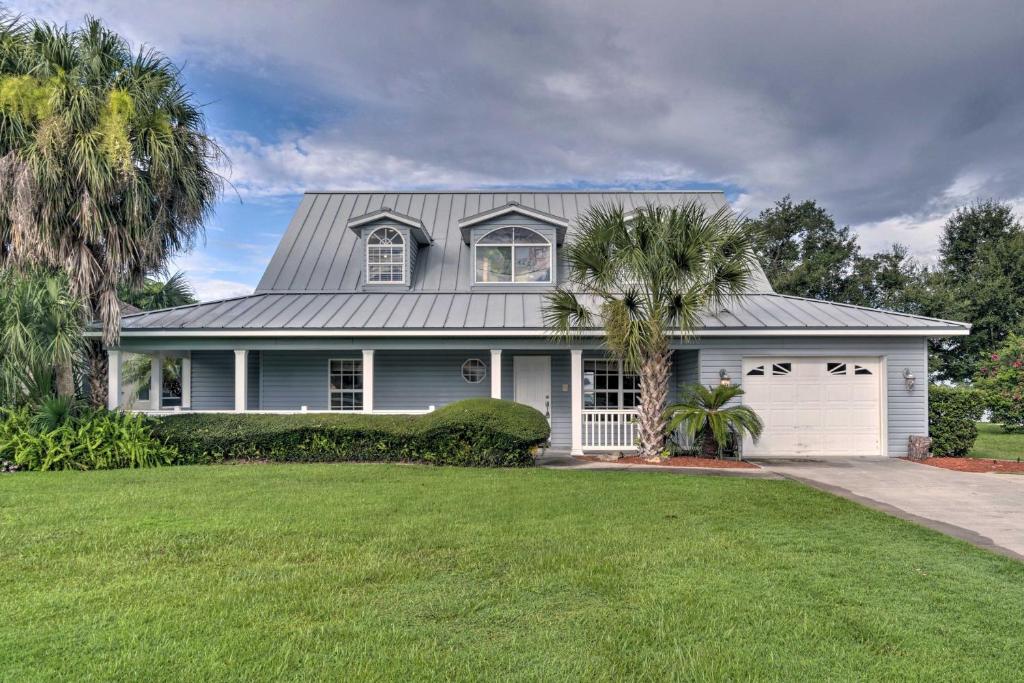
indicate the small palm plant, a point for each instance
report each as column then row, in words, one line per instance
column 704, row 412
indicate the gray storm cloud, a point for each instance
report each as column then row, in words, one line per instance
column 888, row 113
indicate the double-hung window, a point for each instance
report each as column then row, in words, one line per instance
column 385, row 257
column 607, row 386
column 346, row 384
column 513, row 255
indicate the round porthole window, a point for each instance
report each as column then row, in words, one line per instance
column 474, row 371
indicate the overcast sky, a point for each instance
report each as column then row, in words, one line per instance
column 890, row 113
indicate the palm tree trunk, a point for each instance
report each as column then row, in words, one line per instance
column 97, row 368
column 708, row 445
column 65, row 379
column 653, row 397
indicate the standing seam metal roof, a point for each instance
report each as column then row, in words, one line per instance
column 384, row 311
column 319, row 253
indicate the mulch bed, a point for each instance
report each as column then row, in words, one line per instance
column 677, row 461
column 976, row 465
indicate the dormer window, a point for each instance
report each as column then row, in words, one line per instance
column 513, row 255
column 385, row 257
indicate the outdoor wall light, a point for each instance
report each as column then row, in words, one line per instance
column 724, row 379
column 909, row 379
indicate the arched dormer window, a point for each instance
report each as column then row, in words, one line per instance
column 513, row 255
column 385, row 257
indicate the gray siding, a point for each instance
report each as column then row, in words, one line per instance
column 416, row 381
column 252, row 397
column 292, row 379
column 213, row 380
column 686, row 366
column 907, row 412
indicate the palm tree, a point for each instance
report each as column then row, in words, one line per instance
column 644, row 279
column 155, row 294
column 40, row 334
column 705, row 412
column 106, row 170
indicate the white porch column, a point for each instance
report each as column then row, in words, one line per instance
column 576, row 394
column 156, row 380
column 241, row 379
column 113, row 379
column 186, row 381
column 367, row 380
column 495, row 373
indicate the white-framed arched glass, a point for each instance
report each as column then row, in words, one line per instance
column 513, row 254
column 385, row 257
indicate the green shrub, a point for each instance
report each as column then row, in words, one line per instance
column 475, row 432
column 953, row 413
column 1001, row 378
column 93, row 440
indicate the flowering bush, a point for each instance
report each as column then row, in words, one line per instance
column 1001, row 378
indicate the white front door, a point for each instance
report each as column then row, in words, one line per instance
column 532, row 377
column 815, row 406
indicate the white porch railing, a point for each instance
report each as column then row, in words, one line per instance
column 609, row 430
column 616, row 430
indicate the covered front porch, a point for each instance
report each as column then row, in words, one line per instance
column 588, row 399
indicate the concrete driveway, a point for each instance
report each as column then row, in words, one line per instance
column 984, row 509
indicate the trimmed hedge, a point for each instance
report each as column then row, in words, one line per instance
column 476, row 432
column 953, row 413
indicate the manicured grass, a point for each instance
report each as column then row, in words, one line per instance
column 994, row 443
column 391, row 572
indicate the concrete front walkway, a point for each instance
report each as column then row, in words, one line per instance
column 984, row 509
column 556, row 460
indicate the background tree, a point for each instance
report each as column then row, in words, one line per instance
column 644, row 280
column 890, row 279
column 980, row 279
column 155, row 294
column 802, row 251
column 1001, row 380
column 106, row 169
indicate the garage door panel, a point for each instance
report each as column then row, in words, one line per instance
column 821, row 406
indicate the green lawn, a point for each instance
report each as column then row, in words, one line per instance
column 391, row 572
column 993, row 442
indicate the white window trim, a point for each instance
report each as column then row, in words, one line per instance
column 405, row 256
column 512, row 283
column 331, row 392
column 621, row 390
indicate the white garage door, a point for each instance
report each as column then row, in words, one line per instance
column 815, row 406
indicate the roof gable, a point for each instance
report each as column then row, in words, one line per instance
column 385, row 214
column 466, row 224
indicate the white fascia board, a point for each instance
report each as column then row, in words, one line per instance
column 499, row 332
column 385, row 215
column 502, row 210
